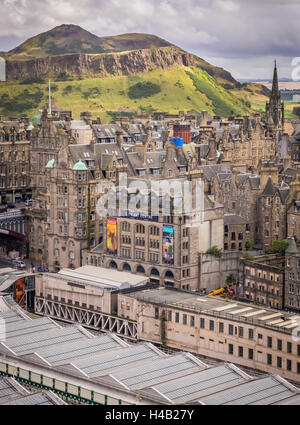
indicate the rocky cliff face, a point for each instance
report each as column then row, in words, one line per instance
column 86, row 65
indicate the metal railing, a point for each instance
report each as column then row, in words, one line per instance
column 62, row 388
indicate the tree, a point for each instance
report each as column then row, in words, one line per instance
column 279, row 246
column 249, row 244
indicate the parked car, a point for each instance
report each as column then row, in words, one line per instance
column 28, row 203
column 11, row 205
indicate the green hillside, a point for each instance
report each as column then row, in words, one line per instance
column 177, row 88
column 70, row 39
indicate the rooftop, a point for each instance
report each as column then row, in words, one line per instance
column 12, row 393
column 223, row 308
column 106, row 363
column 109, row 278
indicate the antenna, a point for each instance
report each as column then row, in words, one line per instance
column 50, row 107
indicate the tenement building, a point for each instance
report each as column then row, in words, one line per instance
column 15, row 184
column 263, row 281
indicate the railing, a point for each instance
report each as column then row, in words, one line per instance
column 65, row 389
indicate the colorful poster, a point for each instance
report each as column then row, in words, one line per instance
column 111, row 240
column 168, row 244
column 20, row 292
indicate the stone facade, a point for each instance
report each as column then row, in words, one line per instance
column 14, row 161
column 224, row 330
column 264, row 280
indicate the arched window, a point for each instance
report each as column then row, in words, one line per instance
column 154, row 272
column 169, row 274
column 126, row 267
column 140, row 269
column 113, row 265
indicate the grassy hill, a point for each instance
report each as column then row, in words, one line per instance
column 69, row 39
column 178, row 88
column 123, row 74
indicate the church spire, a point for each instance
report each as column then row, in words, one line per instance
column 275, row 86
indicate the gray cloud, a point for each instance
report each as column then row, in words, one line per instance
column 243, row 36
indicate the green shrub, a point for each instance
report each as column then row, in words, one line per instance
column 248, row 256
column 143, row 89
column 249, row 244
column 279, row 246
column 230, row 279
column 67, row 90
column 92, row 92
column 215, row 251
column 33, row 80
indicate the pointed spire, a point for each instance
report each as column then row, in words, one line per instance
column 275, row 86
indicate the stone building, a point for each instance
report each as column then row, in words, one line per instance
column 292, row 277
column 45, row 144
column 264, row 280
column 272, row 211
column 15, row 182
column 253, row 336
column 236, row 232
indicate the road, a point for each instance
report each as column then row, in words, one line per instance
column 4, row 262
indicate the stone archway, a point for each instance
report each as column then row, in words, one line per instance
column 113, row 265
column 126, row 267
column 140, row 269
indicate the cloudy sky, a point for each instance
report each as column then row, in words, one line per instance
column 242, row 36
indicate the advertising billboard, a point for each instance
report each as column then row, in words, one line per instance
column 168, row 244
column 20, row 292
column 111, row 240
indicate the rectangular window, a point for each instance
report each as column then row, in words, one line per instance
column 298, row 350
column 250, row 333
column 241, row 332
column 211, row 325
column 221, row 327
column 279, row 362
column 230, row 349
column 269, row 359
column 230, row 329
column 241, row 351
column 156, row 313
column 170, row 316
column 184, row 319
column 250, row 354
column 279, row 344
column 289, row 347
column 177, row 317
column 192, row 321
column 269, row 342
column 202, row 323
column 288, row 364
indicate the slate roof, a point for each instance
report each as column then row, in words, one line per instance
column 269, row 189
